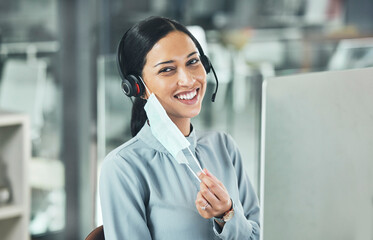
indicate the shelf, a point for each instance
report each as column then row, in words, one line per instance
column 11, row 211
column 15, row 152
column 9, row 119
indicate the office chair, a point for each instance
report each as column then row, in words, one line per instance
column 96, row 234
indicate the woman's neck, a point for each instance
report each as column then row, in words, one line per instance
column 183, row 124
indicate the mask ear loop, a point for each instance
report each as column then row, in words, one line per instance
column 199, row 166
column 147, row 89
column 195, row 159
column 199, row 180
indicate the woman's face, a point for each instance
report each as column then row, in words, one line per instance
column 175, row 74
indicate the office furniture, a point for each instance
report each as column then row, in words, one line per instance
column 352, row 53
column 22, row 90
column 316, row 158
column 15, row 153
column 96, row 234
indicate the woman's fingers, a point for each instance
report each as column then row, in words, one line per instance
column 214, row 186
column 203, row 206
column 200, row 201
column 208, row 194
column 214, row 192
column 213, row 177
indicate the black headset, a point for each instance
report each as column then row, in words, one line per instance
column 133, row 86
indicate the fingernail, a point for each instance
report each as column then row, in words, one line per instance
column 199, row 174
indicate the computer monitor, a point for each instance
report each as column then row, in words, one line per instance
column 317, row 156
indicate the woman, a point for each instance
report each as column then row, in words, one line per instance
column 144, row 192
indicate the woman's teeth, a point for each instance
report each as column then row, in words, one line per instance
column 187, row 96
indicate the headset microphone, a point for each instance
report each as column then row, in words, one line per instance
column 217, row 84
column 208, row 67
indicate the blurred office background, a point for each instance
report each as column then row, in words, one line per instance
column 57, row 64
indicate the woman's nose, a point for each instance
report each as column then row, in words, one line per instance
column 185, row 78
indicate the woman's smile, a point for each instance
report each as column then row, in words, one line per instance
column 188, row 97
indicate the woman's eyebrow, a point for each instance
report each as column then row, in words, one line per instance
column 171, row 61
column 191, row 54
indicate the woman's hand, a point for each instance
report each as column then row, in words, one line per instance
column 213, row 199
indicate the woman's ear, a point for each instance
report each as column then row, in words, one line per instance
column 144, row 96
column 146, row 93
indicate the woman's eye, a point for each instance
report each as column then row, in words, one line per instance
column 165, row 70
column 193, row 61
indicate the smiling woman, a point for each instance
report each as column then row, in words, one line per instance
column 145, row 193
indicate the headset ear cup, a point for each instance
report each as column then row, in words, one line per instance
column 132, row 86
column 127, row 88
column 140, row 88
column 206, row 63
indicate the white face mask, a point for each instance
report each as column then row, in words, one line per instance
column 167, row 133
